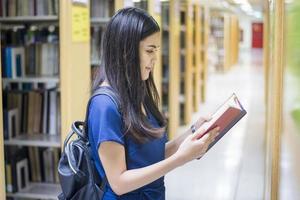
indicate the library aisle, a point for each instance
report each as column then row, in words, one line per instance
column 234, row 168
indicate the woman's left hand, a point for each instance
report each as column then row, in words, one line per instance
column 201, row 121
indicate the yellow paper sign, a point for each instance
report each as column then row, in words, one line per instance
column 80, row 24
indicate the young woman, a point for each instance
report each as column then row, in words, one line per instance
column 129, row 144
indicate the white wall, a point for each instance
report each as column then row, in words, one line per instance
column 246, row 25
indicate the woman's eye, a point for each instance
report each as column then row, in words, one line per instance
column 149, row 51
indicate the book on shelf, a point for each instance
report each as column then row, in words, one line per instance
column 31, row 60
column 16, row 168
column 29, row 53
column 225, row 117
column 101, row 8
column 142, row 4
column 30, row 164
column 13, row 123
column 17, row 8
column 96, row 38
column 31, row 112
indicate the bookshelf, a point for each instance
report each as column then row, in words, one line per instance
column 53, row 79
column 2, row 167
column 220, row 34
column 275, row 67
column 225, row 31
column 186, row 61
column 205, row 24
column 171, row 64
column 189, row 62
column 101, row 13
column 29, row 19
column 155, row 10
column 165, row 58
column 197, row 57
column 49, row 32
column 234, row 39
column 38, row 140
column 143, row 4
column 174, row 66
column 183, row 61
column 49, row 191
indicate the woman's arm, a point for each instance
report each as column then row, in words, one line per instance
column 172, row 145
column 122, row 181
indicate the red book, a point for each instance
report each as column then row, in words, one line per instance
column 225, row 117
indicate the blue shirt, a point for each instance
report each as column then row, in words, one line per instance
column 105, row 124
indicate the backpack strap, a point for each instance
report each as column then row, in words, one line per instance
column 103, row 90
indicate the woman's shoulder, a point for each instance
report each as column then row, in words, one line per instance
column 103, row 102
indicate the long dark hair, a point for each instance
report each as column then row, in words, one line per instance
column 121, row 69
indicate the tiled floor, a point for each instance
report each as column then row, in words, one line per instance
column 234, row 168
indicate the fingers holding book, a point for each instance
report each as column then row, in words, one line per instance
column 201, row 121
column 206, row 138
column 196, row 145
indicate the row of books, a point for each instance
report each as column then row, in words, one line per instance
column 40, row 59
column 217, row 21
column 32, row 112
column 143, row 4
column 96, row 38
column 165, row 13
column 26, row 35
column 102, row 8
column 13, row 8
column 217, row 36
column 30, row 164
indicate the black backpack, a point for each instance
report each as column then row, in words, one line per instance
column 78, row 176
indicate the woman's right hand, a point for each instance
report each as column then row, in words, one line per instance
column 195, row 146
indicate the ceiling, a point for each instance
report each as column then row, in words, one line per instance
column 256, row 5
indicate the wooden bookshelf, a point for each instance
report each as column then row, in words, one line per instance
column 73, row 81
column 221, row 37
column 275, row 53
column 99, row 20
column 171, row 57
column 29, row 19
column 225, row 30
column 205, row 24
column 183, row 61
column 174, row 61
column 143, row 4
column 226, row 40
column 154, row 9
column 189, row 52
column 98, row 24
column 74, row 58
column 234, row 39
column 2, row 162
column 197, row 56
column 31, row 80
column 165, row 38
column 45, row 191
column 37, row 140
column 119, row 4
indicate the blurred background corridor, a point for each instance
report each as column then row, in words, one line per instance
column 236, row 164
column 50, row 51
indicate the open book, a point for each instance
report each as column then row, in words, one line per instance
column 225, row 117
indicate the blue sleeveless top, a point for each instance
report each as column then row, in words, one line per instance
column 105, row 124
